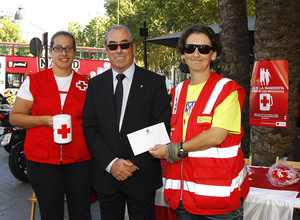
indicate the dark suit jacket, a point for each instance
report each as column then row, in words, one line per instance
column 148, row 104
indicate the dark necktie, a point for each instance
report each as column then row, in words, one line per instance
column 119, row 96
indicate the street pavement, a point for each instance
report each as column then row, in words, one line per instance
column 14, row 194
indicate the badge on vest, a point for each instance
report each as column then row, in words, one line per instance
column 204, row 119
column 81, row 85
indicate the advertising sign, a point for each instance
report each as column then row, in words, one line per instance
column 269, row 93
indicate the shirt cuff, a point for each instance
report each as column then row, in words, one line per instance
column 110, row 164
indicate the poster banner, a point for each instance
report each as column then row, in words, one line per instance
column 269, row 94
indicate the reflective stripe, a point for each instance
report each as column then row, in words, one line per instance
column 216, row 152
column 172, row 184
column 215, row 94
column 236, row 182
column 212, row 99
column 209, row 190
column 176, row 98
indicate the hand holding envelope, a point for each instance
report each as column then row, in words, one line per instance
column 170, row 152
column 146, row 138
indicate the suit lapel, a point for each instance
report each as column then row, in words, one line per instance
column 107, row 95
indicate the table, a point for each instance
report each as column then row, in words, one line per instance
column 264, row 201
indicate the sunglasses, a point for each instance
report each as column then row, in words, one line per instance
column 115, row 46
column 202, row 48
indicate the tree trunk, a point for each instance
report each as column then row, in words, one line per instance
column 235, row 61
column 277, row 37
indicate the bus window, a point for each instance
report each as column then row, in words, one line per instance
column 5, row 49
column 14, row 80
column 22, row 51
column 82, row 54
column 98, row 54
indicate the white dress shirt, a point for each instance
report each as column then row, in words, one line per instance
column 126, row 89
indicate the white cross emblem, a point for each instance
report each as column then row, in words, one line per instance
column 81, row 85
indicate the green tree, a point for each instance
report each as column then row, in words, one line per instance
column 162, row 17
column 92, row 34
column 77, row 31
column 95, row 31
column 10, row 32
column 250, row 4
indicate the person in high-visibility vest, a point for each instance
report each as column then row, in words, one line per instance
column 206, row 177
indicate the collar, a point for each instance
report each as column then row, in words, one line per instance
column 128, row 73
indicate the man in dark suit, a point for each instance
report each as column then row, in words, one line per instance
column 119, row 176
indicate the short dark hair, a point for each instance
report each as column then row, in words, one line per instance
column 65, row 33
column 199, row 28
column 118, row 27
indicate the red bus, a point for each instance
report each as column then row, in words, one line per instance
column 16, row 62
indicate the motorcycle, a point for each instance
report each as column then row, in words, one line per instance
column 5, row 127
column 11, row 135
column 17, row 162
column 13, row 142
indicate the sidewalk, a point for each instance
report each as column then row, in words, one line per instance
column 14, row 194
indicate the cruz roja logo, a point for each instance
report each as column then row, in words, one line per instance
column 265, row 101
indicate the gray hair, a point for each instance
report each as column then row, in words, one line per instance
column 118, row 27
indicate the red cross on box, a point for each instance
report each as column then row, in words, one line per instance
column 64, row 131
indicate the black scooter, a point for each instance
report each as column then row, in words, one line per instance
column 13, row 142
column 11, row 135
column 16, row 161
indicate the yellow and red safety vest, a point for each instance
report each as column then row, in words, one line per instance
column 211, row 181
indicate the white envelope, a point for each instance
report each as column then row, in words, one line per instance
column 146, row 138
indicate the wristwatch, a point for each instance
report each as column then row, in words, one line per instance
column 181, row 152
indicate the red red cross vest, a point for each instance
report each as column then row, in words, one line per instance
column 39, row 144
column 211, row 181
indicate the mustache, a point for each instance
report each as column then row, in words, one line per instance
column 121, row 55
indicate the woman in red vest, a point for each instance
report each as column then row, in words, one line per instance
column 206, row 177
column 56, row 169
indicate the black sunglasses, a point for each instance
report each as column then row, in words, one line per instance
column 202, row 48
column 115, row 46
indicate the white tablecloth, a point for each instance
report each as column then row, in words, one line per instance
column 266, row 204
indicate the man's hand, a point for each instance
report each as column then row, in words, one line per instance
column 122, row 169
column 130, row 166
